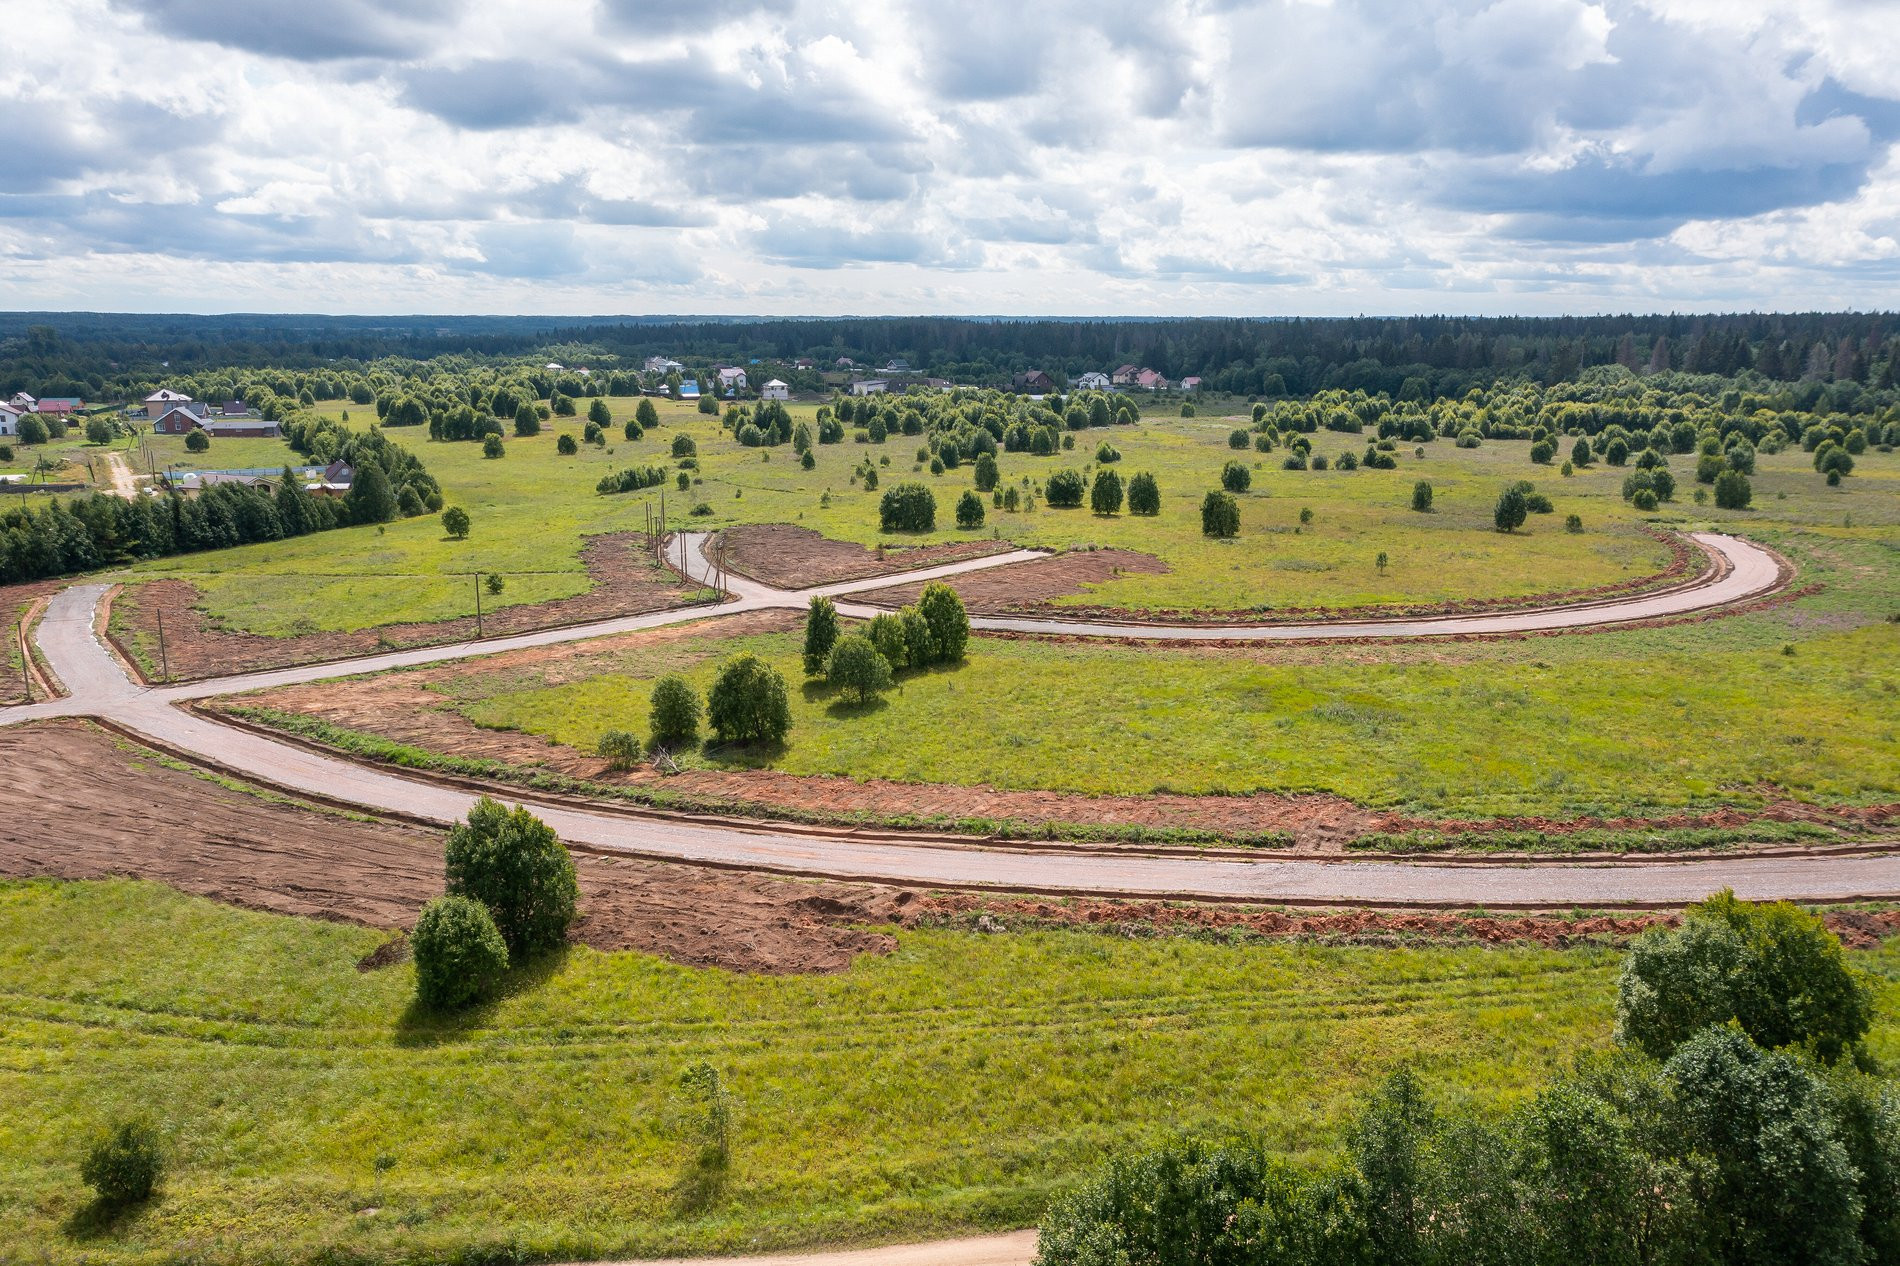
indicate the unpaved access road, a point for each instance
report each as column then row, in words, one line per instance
column 1017, row 1248
column 100, row 688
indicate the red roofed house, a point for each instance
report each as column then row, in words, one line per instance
column 1190, row 384
column 62, row 404
column 1151, row 380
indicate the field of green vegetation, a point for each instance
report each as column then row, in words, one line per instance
column 954, row 1084
column 531, row 508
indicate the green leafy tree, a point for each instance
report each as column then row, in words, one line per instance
column 1144, row 495
column 673, row 719
column 513, row 863
column 1220, row 515
column 1422, row 497
column 1732, row 490
column 886, row 632
column 1773, row 969
column 749, row 703
column 985, row 473
column 1105, row 494
column 459, row 952
column 33, row 431
column 646, row 415
column 907, row 507
column 856, row 665
column 527, row 420
column 821, row 634
column 599, row 414
column 1238, row 439
column 370, row 498
column 1235, row 477
column 98, row 431
column 969, row 511
column 566, row 446
column 455, row 522
column 1065, row 489
column 1512, row 509
column 949, row 624
column 491, row 446
column 123, row 1164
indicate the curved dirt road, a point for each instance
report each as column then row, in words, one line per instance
column 100, row 688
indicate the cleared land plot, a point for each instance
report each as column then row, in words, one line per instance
column 951, row 1085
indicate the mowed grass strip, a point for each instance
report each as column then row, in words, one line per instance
column 951, row 1085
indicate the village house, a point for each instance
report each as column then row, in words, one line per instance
column 1125, row 375
column 1190, row 384
column 870, row 387
column 661, row 365
column 180, row 417
column 1035, row 382
column 1151, row 380
column 1093, row 380
column 21, row 402
column 239, row 428
column 9, row 421
column 689, row 389
column 61, row 405
column 804, row 362
column 731, row 378
column 775, row 390
column 336, row 480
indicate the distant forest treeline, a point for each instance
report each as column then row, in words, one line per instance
column 103, row 356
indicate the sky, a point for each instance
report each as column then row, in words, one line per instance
column 1065, row 157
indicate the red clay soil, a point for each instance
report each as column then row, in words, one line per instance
column 1030, row 589
column 1858, row 929
column 81, row 804
column 790, row 557
column 1025, row 588
column 626, row 581
column 14, row 599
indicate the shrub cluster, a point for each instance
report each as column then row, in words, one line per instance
column 632, row 479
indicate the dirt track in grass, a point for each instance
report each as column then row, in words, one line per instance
column 79, row 804
column 626, row 581
column 1029, row 588
column 790, row 557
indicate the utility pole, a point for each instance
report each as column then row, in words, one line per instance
column 477, row 578
column 164, row 661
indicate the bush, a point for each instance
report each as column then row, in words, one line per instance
column 1773, row 969
column 566, row 446
column 1220, row 515
column 673, row 712
column 1645, row 499
column 1542, row 452
column 1422, row 497
column 455, row 523
column 1065, row 489
column 855, row 664
column 196, row 441
column 123, row 1163
column 683, row 446
column 1235, row 477
column 1237, row 439
column 460, row 954
column 491, row 446
column 1511, row 510
column 620, row 749
column 1105, row 494
column 748, row 703
column 512, row 862
column 527, row 421
column 821, row 634
column 907, row 507
column 969, row 511
column 1144, row 495
column 1573, row 523
column 949, row 624
column 33, row 431
column 1187, row 410
column 1732, row 490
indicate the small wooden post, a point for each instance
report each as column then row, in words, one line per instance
column 164, row 661
column 478, row 604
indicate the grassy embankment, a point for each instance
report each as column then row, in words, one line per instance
column 952, row 1085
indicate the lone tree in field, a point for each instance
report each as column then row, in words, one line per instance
column 1732, row 491
column 527, row 420
column 749, row 703
column 1422, row 497
column 985, row 474
column 1144, row 494
column 646, row 415
column 566, row 446
column 948, row 622
column 907, row 507
column 1773, row 969
column 620, row 749
column 1512, row 510
column 856, row 665
column 1235, row 477
column 123, row 1164
column 673, row 717
column 512, row 862
column 599, row 414
column 969, row 511
column 1064, row 489
column 491, row 446
column 33, row 431
column 460, row 956
column 1105, row 494
column 821, row 634
column 455, row 523
column 1220, row 515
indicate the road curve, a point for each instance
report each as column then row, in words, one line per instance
column 101, row 688
column 1016, row 1248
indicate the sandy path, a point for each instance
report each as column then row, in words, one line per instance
column 123, row 485
column 1017, row 1248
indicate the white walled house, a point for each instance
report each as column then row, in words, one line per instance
column 1094, row 380
column 775, row 390
column 731, row 378
column 9, row 421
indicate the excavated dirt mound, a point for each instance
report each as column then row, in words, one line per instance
column 1030, row 587
column 80, row 804
column 789, row 557
column 626, row 581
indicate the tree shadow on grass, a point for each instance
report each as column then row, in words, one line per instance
column 425, row 1026
column 845, row 707
column 100, row 1219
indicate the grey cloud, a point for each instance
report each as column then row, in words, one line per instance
column 486, row 95
column 307, row 30
column 805, row 244
column 529, row 250
column 671, row 17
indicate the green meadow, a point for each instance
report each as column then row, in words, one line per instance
column 309, row 1114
